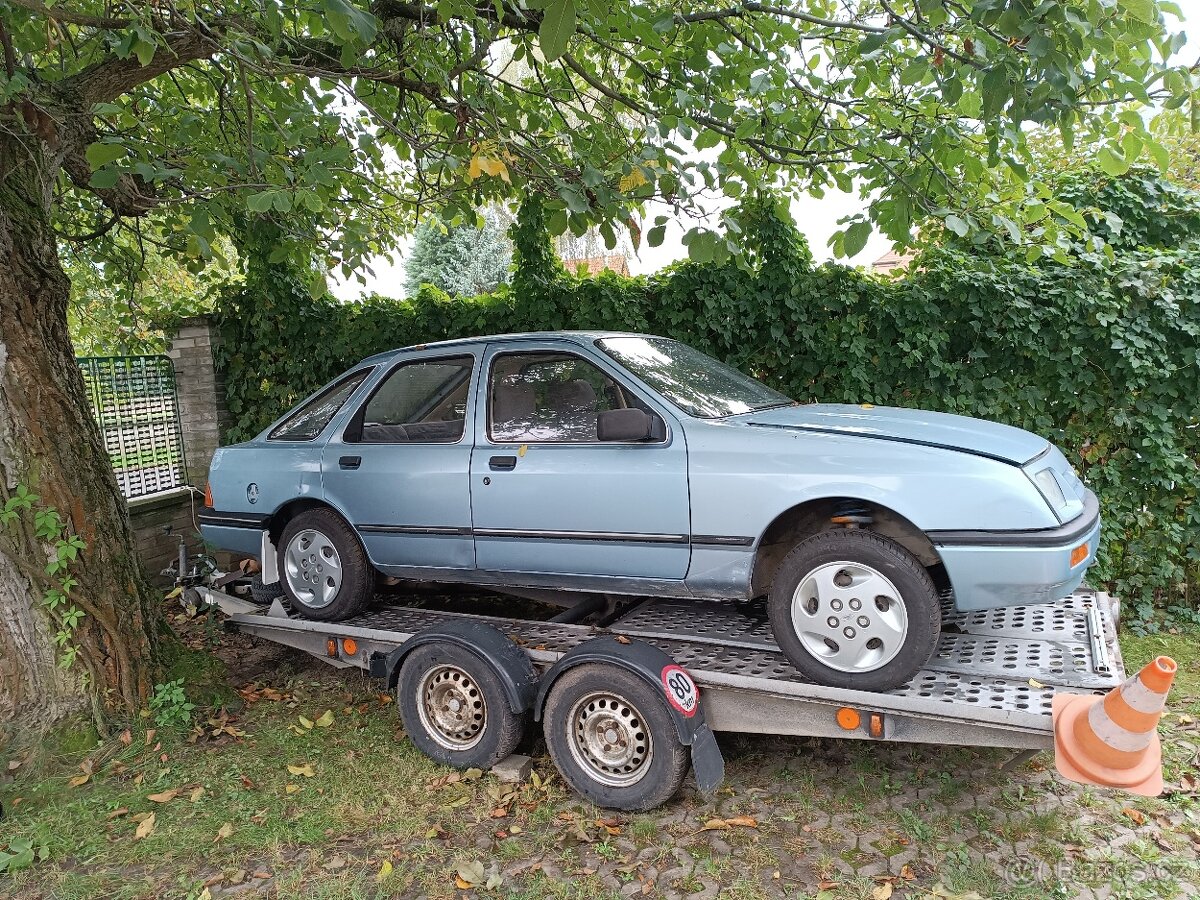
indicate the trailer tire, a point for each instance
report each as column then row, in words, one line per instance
column 639, row 770
column 454, row 707
column 325, row 572
column 852, row 609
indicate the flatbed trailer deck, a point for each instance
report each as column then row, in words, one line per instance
column 990, row 682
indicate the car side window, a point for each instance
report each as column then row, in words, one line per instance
column 422, row 402
column 308, row 421
column 550, row 397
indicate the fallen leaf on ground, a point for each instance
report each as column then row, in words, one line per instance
column 164, row 796
column 384, row 871
column 304, row 769
column 125, row 737
column 882, row 891
column 469, row 874
column 1034, row 683
column 621, row 639
column 117, row 813
column 338, row 862
column 307, row 723
column 196, row 794
column 150, row 733
column 291, row 789
column 223, row 832
column 1138, row 818
column 325, row 720
column 145, row 827
column 80, row 780
column 732, row 822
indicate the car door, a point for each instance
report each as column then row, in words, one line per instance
column 547, row 496
column 400, row 469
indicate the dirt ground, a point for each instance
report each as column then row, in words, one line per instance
column 309, row 788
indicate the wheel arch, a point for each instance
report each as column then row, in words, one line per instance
column 813, row 516
column 278, row 520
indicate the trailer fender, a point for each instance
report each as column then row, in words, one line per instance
column 505, row 658
column 661, row 672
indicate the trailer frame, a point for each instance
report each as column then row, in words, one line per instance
column 990, row 682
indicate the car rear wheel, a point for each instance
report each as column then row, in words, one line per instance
column 852, row 609
column 323, row 568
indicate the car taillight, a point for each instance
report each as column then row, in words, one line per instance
column 208, row 501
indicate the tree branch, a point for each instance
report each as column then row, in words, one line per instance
column 111, row 77
column 62, row 14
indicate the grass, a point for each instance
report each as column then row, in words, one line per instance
column 228, row 809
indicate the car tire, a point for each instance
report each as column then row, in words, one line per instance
column 853, row 609
column 645, row 769
column 481, row 729
column 323, row 568
column 265, row 594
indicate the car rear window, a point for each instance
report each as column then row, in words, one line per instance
column 309, row 419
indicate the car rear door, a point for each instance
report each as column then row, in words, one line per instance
column 547, row 496
column 400, row 469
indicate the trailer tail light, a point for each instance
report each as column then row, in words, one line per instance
column 331, row 648
column 349, row 646
column 1078, row 555
column 208, row 501
column 875, row 729
column 848, row 719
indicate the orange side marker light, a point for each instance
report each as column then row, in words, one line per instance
column 349, row 646
column 848, row 718
column 1078, row 555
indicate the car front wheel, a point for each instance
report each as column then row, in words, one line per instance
column 324, row 570
column 852, row 609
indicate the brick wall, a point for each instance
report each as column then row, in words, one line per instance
column 159, row 520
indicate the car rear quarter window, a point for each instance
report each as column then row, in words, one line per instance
column 309, row 419
column 422, row 402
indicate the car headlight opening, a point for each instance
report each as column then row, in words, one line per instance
column 1047, row 483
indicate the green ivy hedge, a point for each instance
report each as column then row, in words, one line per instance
column 1100, row 354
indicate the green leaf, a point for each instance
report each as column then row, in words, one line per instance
column 1111, row 162
column 100, row 155
column 1142, row 10
column 654, row 237
column 558, row 24
column 957, row 224
column 856, row 238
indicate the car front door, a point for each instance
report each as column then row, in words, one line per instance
column 547, row 496
column 400, row 469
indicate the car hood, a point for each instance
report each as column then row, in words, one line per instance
column 914, row 426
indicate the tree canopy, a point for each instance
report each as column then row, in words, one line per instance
column 465, row 259
column 349, row 122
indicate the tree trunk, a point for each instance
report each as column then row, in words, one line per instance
column 50, row 443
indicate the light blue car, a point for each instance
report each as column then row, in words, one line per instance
column 625, row 464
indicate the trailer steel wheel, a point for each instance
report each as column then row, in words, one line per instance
column 612, row 738
column 455, row 709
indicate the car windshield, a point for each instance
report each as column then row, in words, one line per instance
column 698, row 384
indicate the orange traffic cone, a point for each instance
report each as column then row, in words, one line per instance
column 1112, row 740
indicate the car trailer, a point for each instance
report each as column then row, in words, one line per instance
column 624, row 708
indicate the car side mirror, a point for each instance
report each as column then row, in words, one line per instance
column 624, row 425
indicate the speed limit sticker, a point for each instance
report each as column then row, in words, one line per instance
column 681, row 690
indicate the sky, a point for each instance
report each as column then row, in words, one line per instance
column 817, row 219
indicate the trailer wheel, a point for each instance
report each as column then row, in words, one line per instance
column 454, row 707
column 612, row 738
column 852, row 609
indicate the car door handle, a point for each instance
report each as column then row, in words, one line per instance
column 502, row 462
column 350, row 462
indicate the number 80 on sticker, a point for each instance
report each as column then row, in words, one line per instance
column 681, row 691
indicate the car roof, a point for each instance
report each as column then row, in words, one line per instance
column 578, row 337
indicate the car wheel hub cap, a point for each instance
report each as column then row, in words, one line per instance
column 608, row 740
column 452, row 708
column 313, row 568
column 849, row 616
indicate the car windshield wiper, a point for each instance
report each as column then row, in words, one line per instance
column 773, row 405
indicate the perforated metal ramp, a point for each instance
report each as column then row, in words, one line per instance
column 990, row 682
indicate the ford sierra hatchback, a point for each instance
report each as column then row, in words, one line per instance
column 626, row 464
